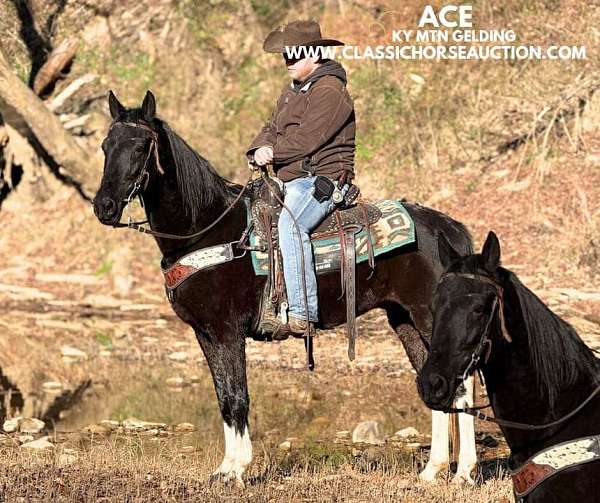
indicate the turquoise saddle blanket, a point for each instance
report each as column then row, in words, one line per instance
column 393, row 230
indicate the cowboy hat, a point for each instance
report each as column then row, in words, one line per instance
column 297, row 33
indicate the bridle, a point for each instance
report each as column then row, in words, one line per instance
column 485, row 347
column 141, row 183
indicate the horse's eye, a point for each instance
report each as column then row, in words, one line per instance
column 479, row 309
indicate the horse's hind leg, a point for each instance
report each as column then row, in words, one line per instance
column 227, row 362
column 467, row 457
column 409, row 334
column 409, row 328
column 439, row 456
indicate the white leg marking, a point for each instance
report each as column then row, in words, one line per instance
column 238, row 455
column 438, row 458
column 467, row 458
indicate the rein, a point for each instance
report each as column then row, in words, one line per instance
column 142, row 182
column 476, row 356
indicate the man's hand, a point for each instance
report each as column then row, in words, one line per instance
column 263, row 155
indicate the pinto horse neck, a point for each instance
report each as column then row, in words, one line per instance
column 542, row 375
column 189, row 196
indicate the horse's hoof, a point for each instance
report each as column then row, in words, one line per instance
column 429, row 472
column 227, row 479
column 463, row 478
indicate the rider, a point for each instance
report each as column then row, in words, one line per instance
column 310, row 140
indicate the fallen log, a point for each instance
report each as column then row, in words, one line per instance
column 70, row 90
column 22, row 109
column 73, row 310
column 58, row 59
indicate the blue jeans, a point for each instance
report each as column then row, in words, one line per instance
column 309, row 213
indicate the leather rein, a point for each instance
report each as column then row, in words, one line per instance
column 484, row 347
column 140, row 184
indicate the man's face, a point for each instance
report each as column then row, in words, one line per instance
column 299, row 69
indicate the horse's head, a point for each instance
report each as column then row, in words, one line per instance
column 467, row 302
column 128, row 150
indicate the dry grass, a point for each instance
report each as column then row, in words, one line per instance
column 110, row 472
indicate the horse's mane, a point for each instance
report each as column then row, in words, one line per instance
column 558, row 355
column 199, row 183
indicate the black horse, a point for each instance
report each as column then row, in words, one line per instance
column 182, row 194
column 536, row 370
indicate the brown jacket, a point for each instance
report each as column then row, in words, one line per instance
column 312, row 127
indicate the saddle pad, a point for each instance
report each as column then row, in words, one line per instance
column 394, row 229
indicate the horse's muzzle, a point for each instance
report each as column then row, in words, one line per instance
column 434, row 390
column 106, row 209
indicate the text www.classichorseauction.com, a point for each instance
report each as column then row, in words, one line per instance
column 429, row 44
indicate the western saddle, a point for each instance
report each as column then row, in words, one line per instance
column 345, row 222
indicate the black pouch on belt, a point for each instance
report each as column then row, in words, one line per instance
column 323, row 188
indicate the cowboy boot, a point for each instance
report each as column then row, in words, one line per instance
column 269, row 321
column 296, row 327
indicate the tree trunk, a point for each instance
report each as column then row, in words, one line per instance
column 25, row 112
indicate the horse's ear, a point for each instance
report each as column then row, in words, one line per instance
column 149, row 106
column 114, row 105
column 491, row 252
column 446, row 251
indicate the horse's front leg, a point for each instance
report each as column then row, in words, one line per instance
column 227, row 361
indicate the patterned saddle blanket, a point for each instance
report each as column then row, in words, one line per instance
column 393, row 229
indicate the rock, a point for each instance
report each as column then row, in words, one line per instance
column 31, row 425
column 97, row 429
column 368, row 432
column 409, row 432
column 109, row 423
column 285, row 446
column 39, row 444
column 23, row 439
column 343, row 435
column 184, row 427
column 71, row 355
column 178, row 356
column 66, row 459
column 149, row 433
column 395, row 373
column 52, row 387
column 11, row 425
column 187, row 449
column 175, row 382
column 133, row 423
